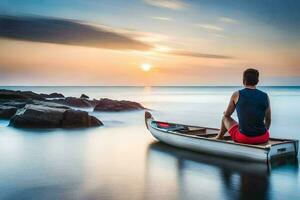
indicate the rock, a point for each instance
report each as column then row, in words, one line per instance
column 95, row 122
column 84, row 96
column 17, row 104
column 39, row 116
column 21, row 98
column 116, row 106
column 53, row 95
column 74, row 102
column 50, row 104
column 19, row 95
column 36, row 116
column 94, row 102
column 77, row 119
column 32, row 95
column 6, row 112
column 12, row 95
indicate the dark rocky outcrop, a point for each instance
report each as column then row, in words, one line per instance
column 35, row 116
column 17, row 104
column 84, row 96
column 6, row 112
column 95, row 121
column 117, row 106
column 49, row 104
column 74, row 102
column 19, row 95
column 27, row 109
column 26, row 97
column 38, row 116
column 52, row 95
column 94, row 102
column 78, row 118
column 21, row 98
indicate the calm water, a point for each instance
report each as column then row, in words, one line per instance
column 122, row 161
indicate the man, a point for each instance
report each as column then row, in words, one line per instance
column 253, row 111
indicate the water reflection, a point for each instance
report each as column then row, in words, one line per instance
column 193, row 176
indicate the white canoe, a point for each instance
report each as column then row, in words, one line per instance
column 200, row 139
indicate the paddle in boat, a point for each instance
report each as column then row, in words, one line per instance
column 201, row 139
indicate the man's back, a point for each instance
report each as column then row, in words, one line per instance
column 254, row 113
column 251, row 107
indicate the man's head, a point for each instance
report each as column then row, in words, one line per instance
column 250, row 77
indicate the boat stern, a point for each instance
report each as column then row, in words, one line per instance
column 282, row 150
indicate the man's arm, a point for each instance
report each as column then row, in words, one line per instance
column 268, row 116
column 227, row 121
column 231, row 106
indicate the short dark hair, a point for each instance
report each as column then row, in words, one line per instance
column 250, row 77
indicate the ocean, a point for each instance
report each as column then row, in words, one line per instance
column 121, row 160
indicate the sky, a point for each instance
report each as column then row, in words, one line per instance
column 148, row 42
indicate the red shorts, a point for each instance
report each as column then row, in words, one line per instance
column 237, row 136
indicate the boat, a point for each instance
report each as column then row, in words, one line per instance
column 201, row 139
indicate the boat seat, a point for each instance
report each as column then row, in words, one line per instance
column 198, row 132
column 178, row 128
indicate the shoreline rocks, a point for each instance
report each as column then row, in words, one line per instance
column 84, row 96
column 21, row 98
column 73, row 102
column 19, row 95
column 37, row 116
column 6, row 112
column 27, row 109
column 78, row 118
column 17, row 104
column 52, row 95
column 117, row 106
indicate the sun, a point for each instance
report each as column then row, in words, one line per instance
column 146, row 67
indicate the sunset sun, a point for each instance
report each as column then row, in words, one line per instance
column 146, row 67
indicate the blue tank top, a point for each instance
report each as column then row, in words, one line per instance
column 251, row 108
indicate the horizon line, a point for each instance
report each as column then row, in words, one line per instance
column 144, row 86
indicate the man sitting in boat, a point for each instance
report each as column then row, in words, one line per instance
column 253, row 111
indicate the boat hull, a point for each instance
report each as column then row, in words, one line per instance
column 211, row 147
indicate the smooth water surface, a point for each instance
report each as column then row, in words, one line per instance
column 122, row 161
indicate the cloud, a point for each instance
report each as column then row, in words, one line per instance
column 64, row 31
column 210, row 27
column 150, row 37
column 161, row 18
column 228, row 20
column 199, row 55
column 219, row 36
column 170, row 4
